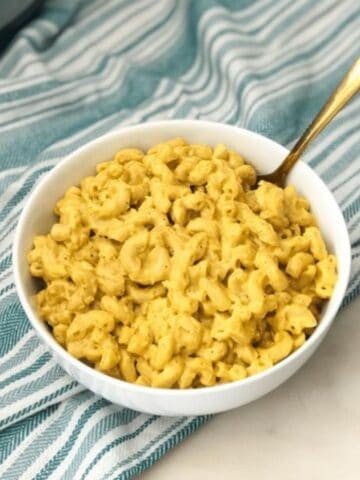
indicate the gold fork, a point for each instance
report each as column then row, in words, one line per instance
column 347, row 88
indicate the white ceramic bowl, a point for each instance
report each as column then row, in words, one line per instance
column 264, row 154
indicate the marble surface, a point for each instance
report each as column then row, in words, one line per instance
column 306, row 429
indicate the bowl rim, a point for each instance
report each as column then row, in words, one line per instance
column 59, row 351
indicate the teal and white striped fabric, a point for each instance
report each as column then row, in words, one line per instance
column 85, row 67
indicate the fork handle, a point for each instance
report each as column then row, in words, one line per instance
column 347, row 88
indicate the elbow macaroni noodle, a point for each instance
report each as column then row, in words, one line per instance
column 167, row 269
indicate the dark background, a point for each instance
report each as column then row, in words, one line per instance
column 13, row 15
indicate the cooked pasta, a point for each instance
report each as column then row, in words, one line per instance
column 170, row 269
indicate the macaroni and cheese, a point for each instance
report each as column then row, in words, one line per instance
column 171, row 269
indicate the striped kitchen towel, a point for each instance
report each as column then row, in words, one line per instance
column 84, row 67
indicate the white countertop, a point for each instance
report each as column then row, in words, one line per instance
column 309, row 428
